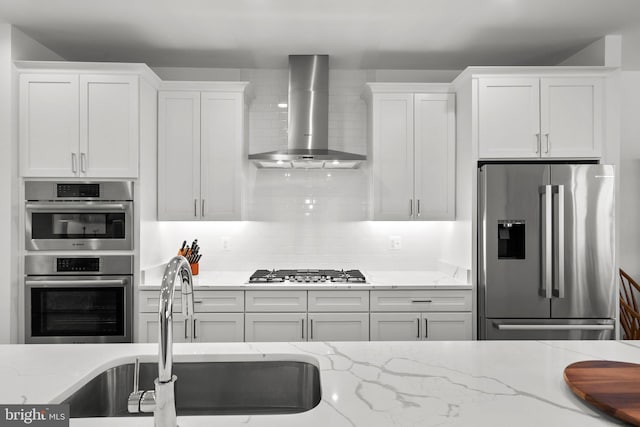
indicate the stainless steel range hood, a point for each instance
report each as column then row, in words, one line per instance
column 308, row 121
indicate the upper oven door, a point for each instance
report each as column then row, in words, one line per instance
column 79, row 225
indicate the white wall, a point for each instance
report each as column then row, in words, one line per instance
column 7, row 165
column 629, row 173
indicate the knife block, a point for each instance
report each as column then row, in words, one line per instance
column 195, row 268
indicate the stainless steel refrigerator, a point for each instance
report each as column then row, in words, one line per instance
column 546, row 245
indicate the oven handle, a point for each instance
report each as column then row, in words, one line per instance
column 73, row 283
column 85, row 206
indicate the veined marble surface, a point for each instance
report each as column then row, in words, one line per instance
column 463, row 383
column 393, row 279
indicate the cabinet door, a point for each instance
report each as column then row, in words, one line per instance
column 393, row 156
column 148, row 328
column 109, row 117
column 338, row 327
column 49, row 125
column 275, row 327
column 218, row 327
column 446, row 326
column 395, row 326
column 571, row 117
column 222, row 155
column 435, row 161
column 178, row 155
column 508, row 117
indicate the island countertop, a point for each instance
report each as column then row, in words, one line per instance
column 462, row 383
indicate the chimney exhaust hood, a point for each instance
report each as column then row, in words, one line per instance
column 308, row 146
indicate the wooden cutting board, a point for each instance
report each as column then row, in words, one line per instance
column 613, row 387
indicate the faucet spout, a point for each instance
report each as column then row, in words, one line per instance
column 162, row 402
column 176, row 267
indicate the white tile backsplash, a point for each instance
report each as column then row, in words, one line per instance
column 309, row 244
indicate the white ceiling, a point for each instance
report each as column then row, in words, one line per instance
column 382, row 34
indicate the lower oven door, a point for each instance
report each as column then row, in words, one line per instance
column 79, row 309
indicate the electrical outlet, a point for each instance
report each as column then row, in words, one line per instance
column 395, row 243
column 225, row 243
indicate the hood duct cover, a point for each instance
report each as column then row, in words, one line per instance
column 308, row 145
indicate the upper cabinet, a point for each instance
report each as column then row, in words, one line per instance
column 413, row 154
column 78, row 125
column 201, row 151
column 540, row 117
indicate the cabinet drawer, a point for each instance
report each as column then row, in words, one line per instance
column 203, row 301
column 338, row 301
column 276, row 301
column 218, row 301
column 431, row 300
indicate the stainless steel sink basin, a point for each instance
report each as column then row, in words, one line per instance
column 207, row 388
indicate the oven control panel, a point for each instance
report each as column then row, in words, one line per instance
column 78, row 190
column 64, row 265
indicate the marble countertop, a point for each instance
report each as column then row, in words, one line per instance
column 462, row 383
column 398, row 279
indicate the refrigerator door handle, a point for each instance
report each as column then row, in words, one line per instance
column 533, row 327
column 559, row 242
column 547, row 242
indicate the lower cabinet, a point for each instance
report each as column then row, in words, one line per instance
column 338, row 327
column 219, row 317
column 275, row 327
column 148, row 328
column 420, row 326
column 314, row 315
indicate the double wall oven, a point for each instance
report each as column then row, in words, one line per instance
column 78, row 263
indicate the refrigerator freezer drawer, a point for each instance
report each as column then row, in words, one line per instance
column 547, row 329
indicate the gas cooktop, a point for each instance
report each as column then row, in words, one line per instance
column 307, row 276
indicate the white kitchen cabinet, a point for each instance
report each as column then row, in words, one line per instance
column 275, row 327
column 400, row 315
column 547, row 117
column 200, row 153
column 421, row 326
column 218, row 317
column 218, row 327
column 338, row 326
column 148, row 328
column 79, row 125
column 413, row 161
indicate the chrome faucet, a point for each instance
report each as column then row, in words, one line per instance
column 162, row 401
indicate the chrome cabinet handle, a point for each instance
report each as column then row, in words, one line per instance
column 559, row 244
column 186, row 325
column 83, row 161
column 74, row 163
column 421, row 300
column 195, row 207
column 547, row 243
column 302, row 329
column 311, row 329
column 418, row 207
column 426, row 328
column 547, row 146
column 202, row 208
column 194, row 329
column 418, row 327
column 410, row 207
column 537, row 143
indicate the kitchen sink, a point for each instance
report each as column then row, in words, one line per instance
column 207, row 388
